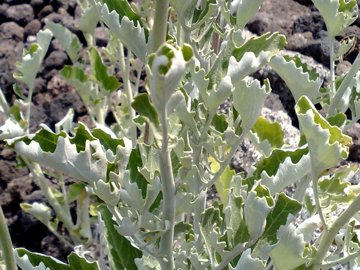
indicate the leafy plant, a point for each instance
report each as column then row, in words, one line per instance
column 148, row 176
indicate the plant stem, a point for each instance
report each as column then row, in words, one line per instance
column 125, row 69
column 226, row 162
column 317, row 202
column 64, row 215
column 6, row 244
column 332, row 67
column 28, row 110
column 344, row 85
column 3, row 104
column 158, row 33
column 341, row 260
column 330, row 234
column 169, row 197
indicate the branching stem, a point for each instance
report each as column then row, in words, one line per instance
column 329, row 235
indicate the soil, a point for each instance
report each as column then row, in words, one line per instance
column 20, row 20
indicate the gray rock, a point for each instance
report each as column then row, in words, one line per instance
column 56, row 60
column 32, row 28
column 11, row 31
column 21, row 14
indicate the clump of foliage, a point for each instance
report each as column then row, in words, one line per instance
column 147, row 177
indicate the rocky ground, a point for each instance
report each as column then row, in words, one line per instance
column 20, row 20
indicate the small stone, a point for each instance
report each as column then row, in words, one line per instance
column 32, row 28
column 21, row 14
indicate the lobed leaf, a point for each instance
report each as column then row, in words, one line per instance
column 133, row 37
column 337, row 14
column 36, row 261
column 287, row 253
column 99, row 71
column 69, row 41
column 32, row 59
column 307, row 83
column 249, row 99
column 245, row 10
column 278, row 216
column 327, row 144
column 247, row 262
column 122, row 254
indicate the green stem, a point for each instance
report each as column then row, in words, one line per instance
column 169, row 199
column 344, row 85
column 158, row 33
column 329, row 235
column 6, row 244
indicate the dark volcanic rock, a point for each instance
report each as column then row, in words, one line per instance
column 56, row 60
column 21, row 14
column 32, row 28
column 11, row 31
column 313, row 23
column 275, row 15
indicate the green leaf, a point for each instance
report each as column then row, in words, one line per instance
column 245, row 10
column 122, row 254
column 307, row 82
column 79, row 263
column 134, row 166
column 82, row 134
column 123, row 8
column 177, row 105
column 29, row 260
column 200, row 16
column 69, row 41
column 59, row 152
column 288, row 251
column 337, row 14
column 99, row 70
column 248, row 101
column 284, row 206
column 258, row 205
column 266, row 130
column 220, row 123
column 143, row 105
column 88, row 20
column 125, row 30
column 283, row 168
column 327, row 144
column 167, row 69
column 247, row 262
column 74, row 191
column 269, row 42
column 223, row 184
column 107, row 140
column 77, row 78
column 39, row 210
column 338, row 120
column 32, row 59
column 74, row 72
